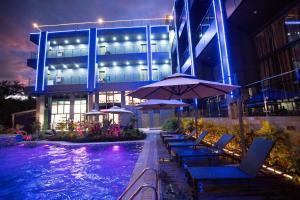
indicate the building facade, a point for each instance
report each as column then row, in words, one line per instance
column 94, row 68
column 251, row 43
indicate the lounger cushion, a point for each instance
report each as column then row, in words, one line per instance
column 217, row 173
column 181, row 144
column 194, row 152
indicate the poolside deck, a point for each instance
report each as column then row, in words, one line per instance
column 174, row 184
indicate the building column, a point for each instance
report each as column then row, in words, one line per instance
column 189, row 34
column 90, row 102
column 72, row 102
column 221, row 33
column 123, row 99
column 40, row 110
column 149, row 52
column 41, row 62
column 92, row 58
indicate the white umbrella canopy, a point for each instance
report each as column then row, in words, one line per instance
column 116, row 110
column 182, row 86
column 95, row 112
column 157, row 104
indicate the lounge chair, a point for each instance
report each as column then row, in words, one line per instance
column 189, row 155
column 171, row 145
column 248, row 168
column 180, row 137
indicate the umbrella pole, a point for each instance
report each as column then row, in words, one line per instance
column 196, row 115
column 241, row 123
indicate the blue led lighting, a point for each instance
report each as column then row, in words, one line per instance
column 95, row 60
column 292, row 22
column 45, row 57
column 37, row 62
column 219, row 44
column 67, row 31
column 189, row 37
column 149, row 52
column 88, row 61
column 177, row 48
column 129, row 27
column 225, row 43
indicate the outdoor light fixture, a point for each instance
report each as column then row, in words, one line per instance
column 76, row 65
column 102, row 39
column 101, row 64
column 54, row 42
column 65, row 66
column 127, row 63
column 152, row 37
column 78, row 40
column 170, row 17
column 52, row 67
column 140, row 62
column 166, row 61
column 114, row 63
column 164, row 36
column 35, row 25
column 100, row 21
column 66, row 41
column 153, row 62
column 114, row 38
column 126, row 38
column 139, row 37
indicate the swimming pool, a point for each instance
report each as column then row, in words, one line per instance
column 48, row 171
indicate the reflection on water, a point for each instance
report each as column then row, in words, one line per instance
column 66, row 172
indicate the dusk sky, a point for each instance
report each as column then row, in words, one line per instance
column 17, row 16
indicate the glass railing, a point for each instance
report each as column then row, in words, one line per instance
column 118, row 77
column 206, row 22
column 61, row 53
column 66, row 80
column 122, row 49
column 160, row 48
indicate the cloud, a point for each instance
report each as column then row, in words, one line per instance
column 16, row 18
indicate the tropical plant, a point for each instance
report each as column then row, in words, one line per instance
column 188, row 124
column 170, row 124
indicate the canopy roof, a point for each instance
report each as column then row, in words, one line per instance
column 156, row 104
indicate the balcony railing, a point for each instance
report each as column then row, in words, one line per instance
column 66, row 80
column 160, row 48
column 122, row 49
column 61, row 53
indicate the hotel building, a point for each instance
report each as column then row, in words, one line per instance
column 84, row 69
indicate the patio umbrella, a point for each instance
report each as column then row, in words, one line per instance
column 183, row 86
column 95, row 113
column 116, row 110
column 157, row 104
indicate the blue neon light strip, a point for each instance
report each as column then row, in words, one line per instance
column 225, row 43
column 45, row 57
column 219, row 44
column 189, row 37
column 149, row 52
column 292, row 22
column 88, row 61
column 37, row 62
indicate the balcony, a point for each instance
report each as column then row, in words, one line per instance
column 62, row 53
column 123, row 49
column 66, row 80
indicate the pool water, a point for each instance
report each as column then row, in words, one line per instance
column 47, row 171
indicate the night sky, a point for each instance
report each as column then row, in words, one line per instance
column 17, row 16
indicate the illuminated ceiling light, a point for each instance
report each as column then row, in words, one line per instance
column 52, row 67
column 140, row 62
column 153, row 62
column 102, row 39
column 164, row 36
column 76, row 65
column 65, row 66
column 139, row 37
column 35, row 25
column 101, row 64
column 170, row 17
column 78, row 40
column 126, row 38
column 127, row 63
column 54, row 42
column 114, row 38
column 166, row 61
column 152, row 36
column 114, row 63
column 100, row 21
column 66, row 41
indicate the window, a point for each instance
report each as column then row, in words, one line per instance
column 79, row 109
